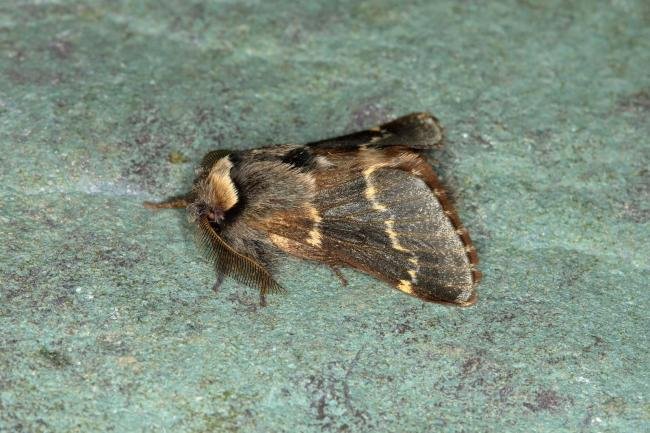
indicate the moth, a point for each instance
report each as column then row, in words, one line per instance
column 368, row 200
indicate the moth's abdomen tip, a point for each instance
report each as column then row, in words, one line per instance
column 426, row 121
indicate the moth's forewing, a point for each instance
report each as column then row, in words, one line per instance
column 382, row 211
column 400, row 234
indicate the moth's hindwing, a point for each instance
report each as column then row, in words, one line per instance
column 415, row 130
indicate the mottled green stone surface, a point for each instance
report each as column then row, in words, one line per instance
column 107, row 322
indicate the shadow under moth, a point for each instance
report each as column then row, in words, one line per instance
column 368, row 200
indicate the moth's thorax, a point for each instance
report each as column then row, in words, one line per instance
column 218, row 190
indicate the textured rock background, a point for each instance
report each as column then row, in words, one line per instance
column 107, row 322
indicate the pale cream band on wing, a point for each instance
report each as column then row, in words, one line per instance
column 370, row 194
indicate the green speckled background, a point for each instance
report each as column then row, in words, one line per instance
column 107, row 321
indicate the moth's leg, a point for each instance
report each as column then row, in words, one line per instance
column 265, row 258
column 217, row 284
column 262, row 299
column 175, row 202
column 339, row 275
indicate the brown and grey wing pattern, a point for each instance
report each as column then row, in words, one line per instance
column 378, row 207
column 384, row 213
column 400, row 234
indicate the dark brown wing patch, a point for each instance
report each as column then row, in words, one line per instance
column 415, row 130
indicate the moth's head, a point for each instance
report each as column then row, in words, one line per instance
column 216, row 192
